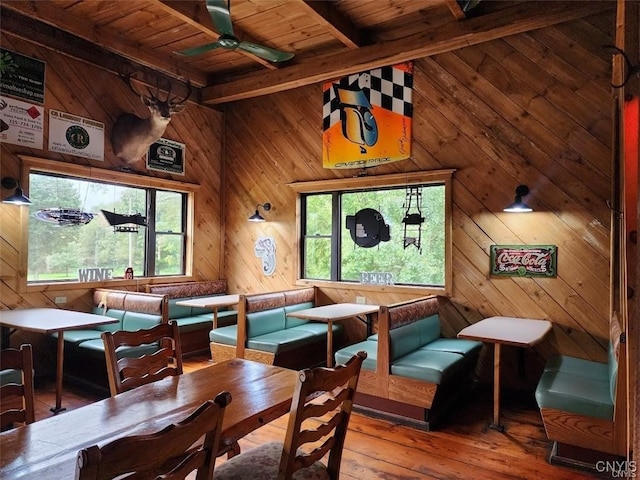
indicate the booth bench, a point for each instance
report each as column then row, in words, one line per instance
column 265, row 334
column 411, row 372
column 582, row 403
column 85, row 348
column 194, row 323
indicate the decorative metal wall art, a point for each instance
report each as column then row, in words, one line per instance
column 367, row 228
column 524, row 260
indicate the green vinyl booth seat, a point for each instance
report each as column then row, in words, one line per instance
column 133, row 310
column 194, row 323
column 85, row 359
column 265, row 333
column 583, row 402
column 410, row 367
column 581, row 386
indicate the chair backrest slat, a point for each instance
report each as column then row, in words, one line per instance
column 17, row 401
column 320, row 412
column 171, row 453
column 127, row 372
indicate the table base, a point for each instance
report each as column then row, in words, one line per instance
column 496, row 426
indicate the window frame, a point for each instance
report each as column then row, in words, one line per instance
column 443, row 177
column 40, row 165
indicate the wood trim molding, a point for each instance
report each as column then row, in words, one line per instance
column 393, row 180
column 93, row 173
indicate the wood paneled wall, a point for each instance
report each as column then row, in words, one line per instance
column 82, row 89
column 533, row 108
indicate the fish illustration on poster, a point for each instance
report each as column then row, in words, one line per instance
column 367, row 118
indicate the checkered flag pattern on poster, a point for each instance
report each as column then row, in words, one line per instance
column 367, row 118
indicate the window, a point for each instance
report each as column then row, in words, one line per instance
column 92, row 230
column 390, row 230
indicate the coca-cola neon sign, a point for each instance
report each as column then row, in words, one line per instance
column 524, row 260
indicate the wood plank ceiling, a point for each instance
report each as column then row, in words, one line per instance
column 328, row 38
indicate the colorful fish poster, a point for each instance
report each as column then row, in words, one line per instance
column 367, row 118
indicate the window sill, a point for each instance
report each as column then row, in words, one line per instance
column 362, row 287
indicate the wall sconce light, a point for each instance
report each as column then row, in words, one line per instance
column 518, row 205
column 256, row 217
column 18, row 197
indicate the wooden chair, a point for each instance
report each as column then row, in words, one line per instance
column 17, row 394
column 132, row 369
column 172, row 453
column 323, row 398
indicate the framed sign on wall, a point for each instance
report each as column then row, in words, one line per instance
column 524, row 260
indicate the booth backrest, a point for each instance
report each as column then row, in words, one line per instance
column 290, row 298
column 293, row 321
column 135, row 310
column 267, row 312
column 265, row 321
column 189, row 289
column 113, row 313
column 410, row 337
column 264, row 301
column 176, row 292
column 403, row 313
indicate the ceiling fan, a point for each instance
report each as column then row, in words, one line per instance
column 221, row 18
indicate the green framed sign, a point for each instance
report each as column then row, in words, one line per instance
column 524, row 260
column 22, row 76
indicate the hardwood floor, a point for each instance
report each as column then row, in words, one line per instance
column 460, row 448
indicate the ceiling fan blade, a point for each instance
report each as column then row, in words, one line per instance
column 219, row 12
column 189, row 52
column 265, row 52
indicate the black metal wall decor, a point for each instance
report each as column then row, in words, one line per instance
column 124, row 223
column 413, row 218
column 64, row 217
column 367, row 228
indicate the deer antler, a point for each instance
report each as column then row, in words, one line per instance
column 127, row 80
column 174, row 102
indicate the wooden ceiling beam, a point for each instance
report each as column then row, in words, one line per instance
column 109, row 39
column 106, row 38
column 17, row 25
column 452, row 36
column 325, row 14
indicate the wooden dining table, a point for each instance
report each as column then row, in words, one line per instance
column 48, row 321
column 334, row 312
column 214, row 302
column 517, row 332
column 48, row 448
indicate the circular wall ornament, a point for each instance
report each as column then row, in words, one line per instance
column 368, row 228
column 77, row 137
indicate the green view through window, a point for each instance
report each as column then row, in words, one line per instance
column 70, row 238
column 395, row 235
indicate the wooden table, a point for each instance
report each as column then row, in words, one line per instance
column 518, row 332
column 48, row 448
column 215, row 302
column 335, row 312
column 50, row 320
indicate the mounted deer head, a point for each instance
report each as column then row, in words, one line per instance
column 131, row 135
